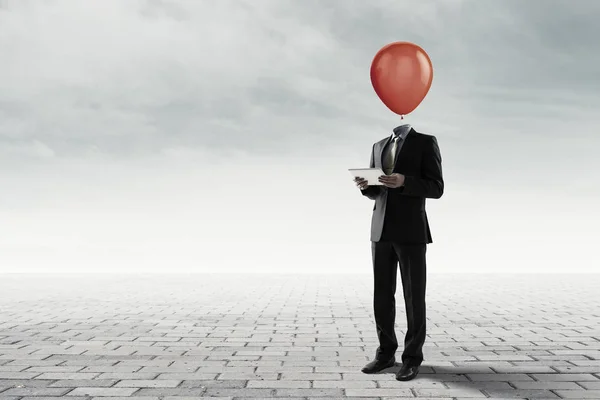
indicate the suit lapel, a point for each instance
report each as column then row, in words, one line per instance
column 403, row 151
column 382, row 145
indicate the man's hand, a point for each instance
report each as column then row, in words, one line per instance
column 394, row 180
column 361, row 183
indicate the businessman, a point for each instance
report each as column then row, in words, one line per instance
column 399, row 235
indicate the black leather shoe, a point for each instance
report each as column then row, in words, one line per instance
column 378, row 365
column 407, row 372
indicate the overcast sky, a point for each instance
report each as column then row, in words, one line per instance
column 199, row 135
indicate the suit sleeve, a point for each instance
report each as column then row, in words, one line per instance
column 431, row 183
column 372, row 191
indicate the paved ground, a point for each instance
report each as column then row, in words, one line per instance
column 292, row 337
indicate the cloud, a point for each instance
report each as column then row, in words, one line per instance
column 140, row 75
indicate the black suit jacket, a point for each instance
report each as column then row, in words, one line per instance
column 399, row 213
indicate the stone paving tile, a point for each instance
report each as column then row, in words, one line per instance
column 67, row 375
column 590, row 385
column 83, row 382
column 499, row 377
column 141, row 383
column 123, row 375
column 546, row 385
column 102, row 391
column 564, row 377
column 579, row 394
column 24, row 382
column 420, row 398
column 379, row 392
column 127, row 398
column 185, row 398
column 185, row 391
column 317, row 392
column 54, row 398
column 279, row 384
column 364, row 384
column 528, row 394
column 36, row 391
column 180, row 337
column 483, row 385
column 231, row 384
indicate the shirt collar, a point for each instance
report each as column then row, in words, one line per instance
column 403, row 132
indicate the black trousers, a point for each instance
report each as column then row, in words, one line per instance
column 411, row 257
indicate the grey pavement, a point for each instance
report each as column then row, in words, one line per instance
column 242, row 336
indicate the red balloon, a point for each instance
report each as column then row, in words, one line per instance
column 401, row 74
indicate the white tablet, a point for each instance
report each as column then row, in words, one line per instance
column 370, row 174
